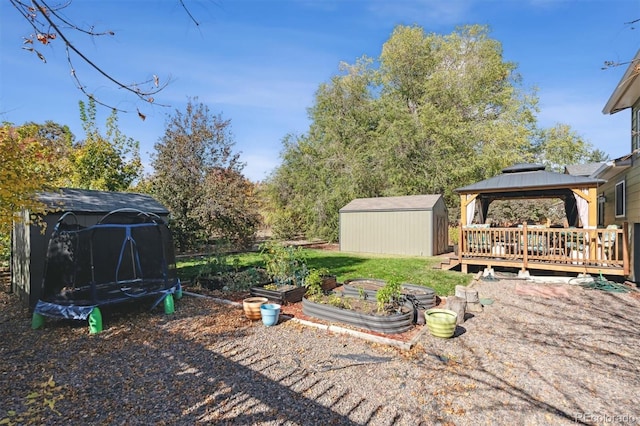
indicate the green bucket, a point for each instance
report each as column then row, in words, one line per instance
column 37, row 321
column 95, row 321
column 169, row 307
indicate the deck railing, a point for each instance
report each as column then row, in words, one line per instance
column 532, row 246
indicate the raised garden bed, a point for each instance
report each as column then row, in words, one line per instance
column 367, row 288
column 362, row 315
column 281, row 295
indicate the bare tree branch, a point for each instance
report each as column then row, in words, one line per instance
column 46, row 23
column 612, row 64
column 189, row 13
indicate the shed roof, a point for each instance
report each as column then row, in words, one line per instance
column 91, row 201
column 407, row 202
column 531, row 179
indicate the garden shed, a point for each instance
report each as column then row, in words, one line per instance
column 414, row 225
column 30, row 244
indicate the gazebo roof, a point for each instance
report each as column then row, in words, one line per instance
column 524, row 177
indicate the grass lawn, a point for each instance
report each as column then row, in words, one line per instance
column 414, row 270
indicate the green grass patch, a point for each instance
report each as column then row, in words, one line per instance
column 414, row 270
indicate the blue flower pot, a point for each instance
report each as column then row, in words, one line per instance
column 270, row 313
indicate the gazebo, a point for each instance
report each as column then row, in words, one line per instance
column 581, row 247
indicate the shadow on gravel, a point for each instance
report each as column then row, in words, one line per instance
column 146, row 368
column 229, row 392
column 567, row 360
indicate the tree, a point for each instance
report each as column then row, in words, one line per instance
column 230, row 208
column 199, row 178
column 28, row 167
column 59, row 140
column 439, row 112
column 110, row 162
column 560, row 146
column 323, row 170
column 50, row 25
column 457, row 111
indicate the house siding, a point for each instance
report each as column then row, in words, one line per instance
column 626, row 95
column 631, row 177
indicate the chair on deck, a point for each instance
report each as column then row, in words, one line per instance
column 478, row 239
column 537, row 243
column 557, row 245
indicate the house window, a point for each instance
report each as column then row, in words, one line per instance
column 601, row 202
column 620, row 199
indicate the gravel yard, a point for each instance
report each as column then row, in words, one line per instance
column 529, row 358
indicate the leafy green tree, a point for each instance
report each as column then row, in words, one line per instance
column 323, row 170
column 110, row 162
column 439, row 112
column 59, row 141
column 560, row 146
column 199, row 178
column 456, row 111
column 58, row 136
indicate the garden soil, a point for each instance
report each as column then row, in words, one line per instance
column 528, row 358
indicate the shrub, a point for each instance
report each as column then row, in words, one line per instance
column 286, row 265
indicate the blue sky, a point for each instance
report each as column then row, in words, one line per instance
column 259, row 63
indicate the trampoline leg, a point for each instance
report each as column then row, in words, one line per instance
column 37, row 321
column 179, row 292
column 168, row 304
column 95, row 321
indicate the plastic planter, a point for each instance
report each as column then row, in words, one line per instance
column 270, row 313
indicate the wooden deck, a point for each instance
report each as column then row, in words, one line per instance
column 554, row 249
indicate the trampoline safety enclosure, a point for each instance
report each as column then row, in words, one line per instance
column 127, row 255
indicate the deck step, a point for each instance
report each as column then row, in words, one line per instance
column 447, row 262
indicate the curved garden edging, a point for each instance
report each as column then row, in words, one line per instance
column 425, row 296
column 387, row 324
